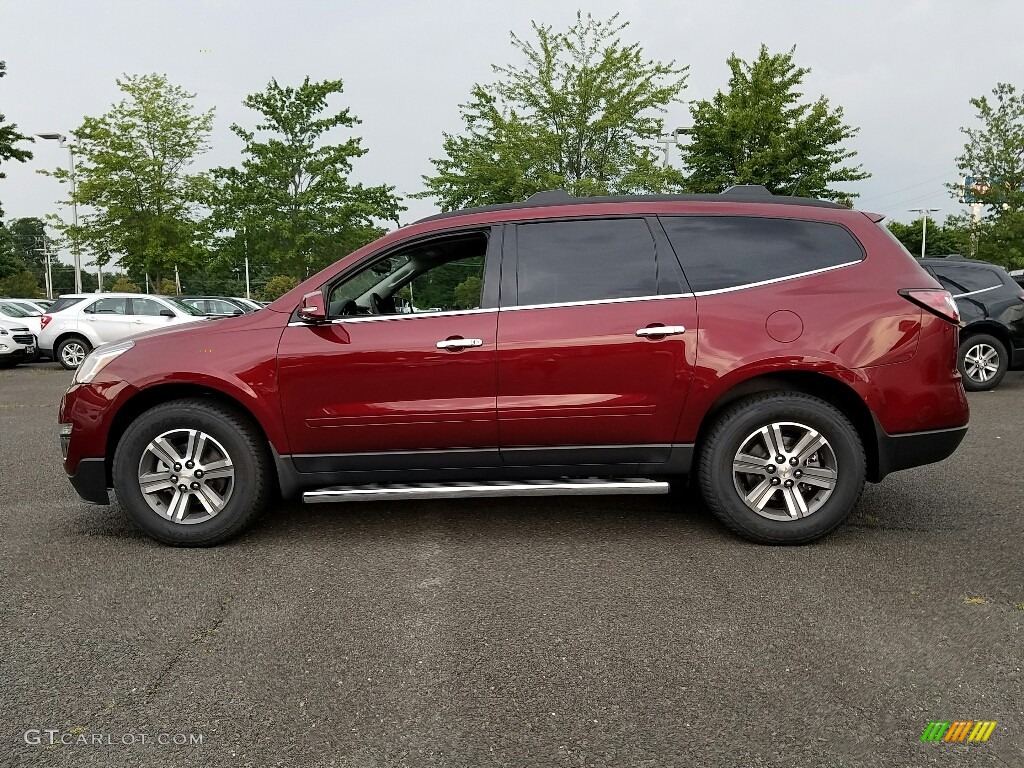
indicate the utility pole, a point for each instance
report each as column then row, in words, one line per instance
column 43, row 247
column 668, row 141
column 63, row 141
column 924, row 224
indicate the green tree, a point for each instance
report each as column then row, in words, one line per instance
column 9, row 136
column 133, row 177
column 276, row 287
column 123, row 284
column 942, row 239
column 581, row 113
column 167, row 287
column 291, row 205
column 467, row 293
column 759, row 131
column 994, row 156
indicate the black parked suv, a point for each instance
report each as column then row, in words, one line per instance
column 992, row 311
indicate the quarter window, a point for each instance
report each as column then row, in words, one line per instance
column 719, row 252
column 585, row 260
column 961, row 279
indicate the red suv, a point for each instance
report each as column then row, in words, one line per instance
column 777, row 350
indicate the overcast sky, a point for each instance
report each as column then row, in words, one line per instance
column 903, row 71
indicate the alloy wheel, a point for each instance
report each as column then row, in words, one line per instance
column 981, row 362
column 186, row 476
column 785, row 471
column 73, row 354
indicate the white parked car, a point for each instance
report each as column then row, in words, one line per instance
column 17, row 343
column 32, row 306
column 78, row 322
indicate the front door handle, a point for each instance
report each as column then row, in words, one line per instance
column 661, row 330
column 459, row 343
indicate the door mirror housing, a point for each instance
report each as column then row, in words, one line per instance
column 313, row 309
column 166, row 313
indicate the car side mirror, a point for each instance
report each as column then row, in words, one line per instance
column 237, row 312
column 166, row 313
column 313, row 309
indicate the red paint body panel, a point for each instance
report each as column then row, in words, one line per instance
column 384, row 386
column 581, row 374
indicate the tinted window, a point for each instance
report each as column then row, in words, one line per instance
column 563, row 261
column 728, row 251
column 961, row 278
column 62, row 303
column 108, row 307
column 219, row 307
column 147, row 307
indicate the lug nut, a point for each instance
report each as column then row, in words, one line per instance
column 794, row 461
column 775, row 481
column 798, row 473
column 770, row 469
column 182, row 487
column 174, row 478
column 195, row 486
column 189, row 464
column 788, row 484
column 199, row 473
column 780, row 459
column 177, row 467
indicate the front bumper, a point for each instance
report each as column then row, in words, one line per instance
column 914, row 449
column 90, row 481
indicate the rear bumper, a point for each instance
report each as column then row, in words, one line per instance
column 914, row 449
column 90, row 481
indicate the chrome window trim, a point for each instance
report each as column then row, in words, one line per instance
column 975, row 293
column 590, row 302
column 777, row 279
column 400, row 316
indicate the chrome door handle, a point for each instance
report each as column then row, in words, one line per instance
column 661, row 330
column 459, row 343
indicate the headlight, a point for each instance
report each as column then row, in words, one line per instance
column 3, row 331
column 98, row 360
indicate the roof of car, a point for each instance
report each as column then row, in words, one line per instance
column 743, row 193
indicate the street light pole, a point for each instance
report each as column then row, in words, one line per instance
column 63, row 141
column 924, row 224
column 668, row 141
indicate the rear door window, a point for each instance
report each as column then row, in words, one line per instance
column 587, row 260
column 723, row 252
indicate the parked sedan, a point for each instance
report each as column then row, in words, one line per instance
column 32, row 306
column 82, row 322
column 220, row 306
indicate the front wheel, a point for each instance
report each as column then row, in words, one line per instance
column 71, row 352
column 782, row 468
column 982, row 360
column 192, row 473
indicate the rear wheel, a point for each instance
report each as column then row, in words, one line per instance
column 782, row 468
column 192, row 473
column 72, row 351
column 982, row 360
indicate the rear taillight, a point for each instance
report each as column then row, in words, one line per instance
column 939, row 303
column 44, row 321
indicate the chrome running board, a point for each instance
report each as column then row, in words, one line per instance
column 567, row 487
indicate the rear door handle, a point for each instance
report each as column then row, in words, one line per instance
column 661, row 330
column 459, row 343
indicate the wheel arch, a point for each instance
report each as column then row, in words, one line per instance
column 149, row 397
column 833, row 391
column 989, row 328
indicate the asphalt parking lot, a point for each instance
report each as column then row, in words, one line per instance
column 631, row 631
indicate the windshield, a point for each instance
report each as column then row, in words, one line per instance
column 183, row 307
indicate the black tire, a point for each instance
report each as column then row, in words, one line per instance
column 982, row 347
column 252, row 483
column 70, row 349
column 737, row 427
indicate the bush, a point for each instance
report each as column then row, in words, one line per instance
column 22, row 284
column 277, row 286
column 124, row 285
